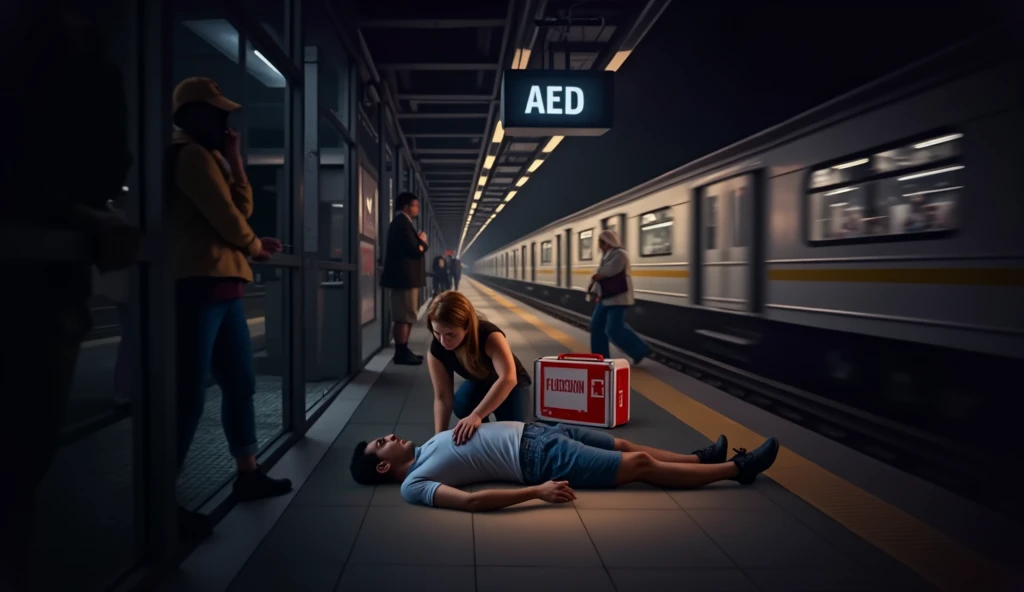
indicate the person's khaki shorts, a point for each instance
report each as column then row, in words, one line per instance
column 405, row 305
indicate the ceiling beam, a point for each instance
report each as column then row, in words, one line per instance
column 445, row 98
column 461, row 151
column 438, row 66
column 442, row 115
column 430, row 23
column 442, row 135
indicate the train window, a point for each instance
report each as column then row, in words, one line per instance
column 911, row 189
column 612, row 223
column 586, row 245
column 656, row 233
column 711, row 222
column 545, row 253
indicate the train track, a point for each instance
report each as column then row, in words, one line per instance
column 950, row 465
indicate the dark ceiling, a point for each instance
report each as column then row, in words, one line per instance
column 442, row 63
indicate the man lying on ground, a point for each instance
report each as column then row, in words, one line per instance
column 551, row 461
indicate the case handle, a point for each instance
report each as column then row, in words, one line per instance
column 597, row 357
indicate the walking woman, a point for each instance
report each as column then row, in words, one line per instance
column 613, row 286
column 476, row 349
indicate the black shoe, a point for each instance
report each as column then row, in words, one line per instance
column 406, row 357
column 254, row 485
column 193, row 527
column 714, row 453
column 751, row 464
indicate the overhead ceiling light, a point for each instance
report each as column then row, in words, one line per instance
column 617, row 60
column 499, row 133
column 499, row 208
column 488, row 162
column 482, row 181
column 522, row 181
column 510, row 195
column 535, row 165
column 478, row 194
column 553, row 143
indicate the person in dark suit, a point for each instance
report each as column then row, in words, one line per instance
column 405, row 273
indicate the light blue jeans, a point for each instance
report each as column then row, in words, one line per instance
column 608, row 322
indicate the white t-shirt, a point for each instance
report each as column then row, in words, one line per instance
column 492, row 454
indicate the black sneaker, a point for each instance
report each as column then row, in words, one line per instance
column 407, row 358
column 254, row 485
column 193, row 527
column 714, row 453
column 751, row 464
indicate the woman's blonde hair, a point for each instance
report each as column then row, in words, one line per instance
column 455, row 310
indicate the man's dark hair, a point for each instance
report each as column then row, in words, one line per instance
column 404, row 198
column 364, row 467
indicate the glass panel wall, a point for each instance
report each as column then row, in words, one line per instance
column 256, row 362
column 70, row 347
column 107, row 393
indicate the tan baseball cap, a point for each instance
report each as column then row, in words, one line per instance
column 198, row 89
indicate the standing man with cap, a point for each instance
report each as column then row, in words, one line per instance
column 212, row 201
column 404, row 273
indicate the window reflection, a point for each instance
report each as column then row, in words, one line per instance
column 910, row 190
column 656, row 233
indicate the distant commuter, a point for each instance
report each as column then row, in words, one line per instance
column 455, row 269
column 496, row 381
column 613, row 285
column 212, row 201
column 68, row 153
column 404, row 273
column 440, row 273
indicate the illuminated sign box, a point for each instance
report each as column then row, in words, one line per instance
column 557, row 102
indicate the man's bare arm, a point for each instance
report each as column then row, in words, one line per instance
column 496, row 499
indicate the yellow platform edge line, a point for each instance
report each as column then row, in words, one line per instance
column 940, row 559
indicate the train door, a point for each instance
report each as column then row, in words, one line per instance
column 533, row 262
column 568, row 258
column 558, row 260
column 726, row 238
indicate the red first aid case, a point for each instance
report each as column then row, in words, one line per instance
column 582, row 389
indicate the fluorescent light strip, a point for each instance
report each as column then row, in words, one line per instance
column 659, row 225
column 854, row 163
column 500, row 207
column 535, row 165
column 930, row 173
column 522, row 180
column 510, row 195
column 553, row 143
column 926, row 192
column 843, row 190
column 939, row 140
column 477, row 195
column 488, row 162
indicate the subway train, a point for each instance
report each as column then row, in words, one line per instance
column 862, row 260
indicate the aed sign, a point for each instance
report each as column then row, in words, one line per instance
column 557, row 102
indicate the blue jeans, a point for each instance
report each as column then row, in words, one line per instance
column 587, row 459
column 609, row 322
column 215, row 338
column 518, row 406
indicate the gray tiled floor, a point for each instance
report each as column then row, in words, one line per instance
column 337, row 535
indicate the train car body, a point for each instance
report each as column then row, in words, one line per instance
column 868, row 252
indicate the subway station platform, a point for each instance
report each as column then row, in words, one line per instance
column 823, row 518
